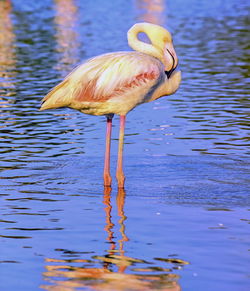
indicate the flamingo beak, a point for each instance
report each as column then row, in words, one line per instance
column 171, row 57
column 169, row 73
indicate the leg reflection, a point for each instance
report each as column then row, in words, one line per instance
column 115, row 256
column 113, row 270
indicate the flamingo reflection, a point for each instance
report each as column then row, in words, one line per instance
column 66, row 34
column 7, row 64
column 151, row 11
column 7, row 52
column 116, row 254
column 108, row 272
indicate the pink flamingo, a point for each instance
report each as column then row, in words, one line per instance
column 117, row 82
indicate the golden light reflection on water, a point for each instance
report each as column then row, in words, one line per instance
column 66, row 35
column 108, row 271
column 7, row 53
column 151, row 11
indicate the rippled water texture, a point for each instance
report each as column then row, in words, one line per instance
column 183, row 220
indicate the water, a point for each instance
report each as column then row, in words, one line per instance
column 183, row 220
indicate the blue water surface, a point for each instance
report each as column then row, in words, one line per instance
column 182, row 222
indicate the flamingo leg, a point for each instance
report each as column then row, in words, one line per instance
column 106, row 174
column 119, row 171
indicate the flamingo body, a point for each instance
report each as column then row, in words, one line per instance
column 112, row 83
column 115, row 83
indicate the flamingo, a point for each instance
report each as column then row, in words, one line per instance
column 115, row 83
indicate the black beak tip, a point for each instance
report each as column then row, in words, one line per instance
column 168, row 73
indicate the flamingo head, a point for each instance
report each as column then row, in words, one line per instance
column 161, row 45
column 162, row 40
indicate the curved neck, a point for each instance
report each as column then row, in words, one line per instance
column 141, row 46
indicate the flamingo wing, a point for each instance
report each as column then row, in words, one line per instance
column 105, row 77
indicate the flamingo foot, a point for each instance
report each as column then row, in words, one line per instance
column 120, row 180
column 107, row 180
